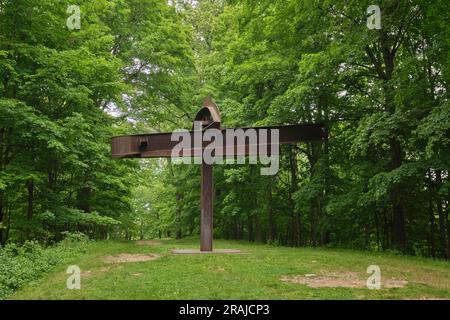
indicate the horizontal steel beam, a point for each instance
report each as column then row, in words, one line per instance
column 158, row 145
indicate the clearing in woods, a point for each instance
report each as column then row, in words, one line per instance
column 149, row 270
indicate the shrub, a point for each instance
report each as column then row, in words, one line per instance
column 22, row 264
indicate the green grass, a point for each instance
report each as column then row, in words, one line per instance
column 254, row 274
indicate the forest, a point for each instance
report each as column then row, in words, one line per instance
column 75, row 73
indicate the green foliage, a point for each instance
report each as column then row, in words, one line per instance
column 380, row 182
column 20, row 265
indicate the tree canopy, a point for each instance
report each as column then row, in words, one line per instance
column 379, row 183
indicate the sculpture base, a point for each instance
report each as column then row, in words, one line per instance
column 196, row 251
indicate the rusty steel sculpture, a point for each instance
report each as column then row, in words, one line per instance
column 158, row 145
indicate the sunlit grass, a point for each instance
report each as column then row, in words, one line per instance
column 253, row 274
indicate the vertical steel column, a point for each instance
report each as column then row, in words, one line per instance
column 206, row 220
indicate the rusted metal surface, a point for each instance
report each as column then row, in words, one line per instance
column 157, row 145
column 207, row 199
column 209, row 114
column 215, row 251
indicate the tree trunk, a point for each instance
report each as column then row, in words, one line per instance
column 2, row 139
column 271, row 220
column 178, row 217
column 294, row 188
column 384, row 66
column 159, row 226
column 448, row 238
column 251, row 234
column 448, row 222
column 2, row 213
column 84, row 198
column 377, row 228
column 398, row 211
column 258, row 234
column 313, row 222
column 442, row 222
column 30, row 189
column 386, row 230
column 6, row 237
column 432, row 230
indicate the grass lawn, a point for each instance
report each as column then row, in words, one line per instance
column 256, row 273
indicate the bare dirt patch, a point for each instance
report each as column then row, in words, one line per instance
column 393, row 283
column 343, row 280
column 148, row 242
column 86, row 273
column 216, row 269
column 421, row 274
column 430, row 298
column 126, row 257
